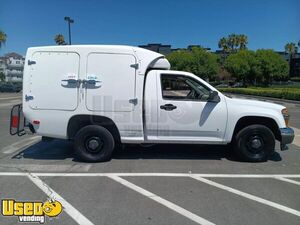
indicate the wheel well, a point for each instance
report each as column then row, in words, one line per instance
column 250, row 120
column 79, row 121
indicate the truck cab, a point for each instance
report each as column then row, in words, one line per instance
column 102, row 96
column 182, row 108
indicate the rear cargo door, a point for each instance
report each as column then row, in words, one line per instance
column 53, row 81
column 110, row 82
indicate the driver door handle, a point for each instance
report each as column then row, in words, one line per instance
column 168, row 107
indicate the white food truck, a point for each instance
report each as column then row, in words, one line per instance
column 101, row 96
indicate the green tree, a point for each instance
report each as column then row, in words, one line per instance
column 2, row 76
column 272, row 66
column 291, row 49
column 198, row 61
column 233, row 42
column 59, row 39
column 223, row 44
column 243, row 41
column 243, row 65
column 3, row 38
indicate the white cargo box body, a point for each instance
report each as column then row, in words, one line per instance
column 63, row 81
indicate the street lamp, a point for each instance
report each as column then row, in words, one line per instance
column 69, row 20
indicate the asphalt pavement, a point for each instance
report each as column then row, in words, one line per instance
column 161, row 184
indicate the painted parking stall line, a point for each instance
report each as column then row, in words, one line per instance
column 119, row 177
column 20, row 145
column 169, row 175
column 246, row 195
column 288, row 180
column 60, row 174
column 161, row 201
column 68, row 208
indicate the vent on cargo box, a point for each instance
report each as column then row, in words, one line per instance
column 161, row 63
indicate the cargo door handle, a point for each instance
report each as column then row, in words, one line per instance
column 70, row 83
column 91, row 83
column 168, row 107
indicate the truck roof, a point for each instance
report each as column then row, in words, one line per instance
column 105, row 48
column 146, row 57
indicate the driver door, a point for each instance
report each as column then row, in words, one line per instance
column 184, row 112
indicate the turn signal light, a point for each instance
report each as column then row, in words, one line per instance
column 286, row 116
column 36, row 122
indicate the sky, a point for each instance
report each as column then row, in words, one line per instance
column 267, row 23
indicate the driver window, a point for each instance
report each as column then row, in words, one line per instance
column 178, row 87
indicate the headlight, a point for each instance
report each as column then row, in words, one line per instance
column 286, row 116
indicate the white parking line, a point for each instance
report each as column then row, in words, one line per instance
column 288, row 180
column 53, row 168
column 20, row 145
column 152, row 175
column 297, row 137
column 14, row 97
column 68, row 208
column 11, row 103
column 162, row 201
column 246, row 195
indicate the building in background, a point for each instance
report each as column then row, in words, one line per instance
column 162, row 49
column 166, row 49
column 12, row 65
column 2, row 65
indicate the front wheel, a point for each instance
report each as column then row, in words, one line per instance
column 254, row 143
column 94, row 143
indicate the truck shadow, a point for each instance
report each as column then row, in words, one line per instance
column 47, row 150
column 172, row 151
column 61, row 149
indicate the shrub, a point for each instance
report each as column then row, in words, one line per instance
column 295, row 79
column 283, row 93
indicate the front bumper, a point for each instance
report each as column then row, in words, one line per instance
column 287, row 137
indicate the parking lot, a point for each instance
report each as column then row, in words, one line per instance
column 161, row 184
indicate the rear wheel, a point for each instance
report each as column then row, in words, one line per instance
column 254, row 143
column 94, row 143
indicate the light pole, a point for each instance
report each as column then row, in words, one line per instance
column 69, row 20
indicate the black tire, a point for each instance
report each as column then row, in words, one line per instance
column 254, row 143
column 94, row 143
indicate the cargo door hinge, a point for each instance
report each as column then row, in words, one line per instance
column 31, row 62
column 133, row 101
column 28, row 98
column 135, row 66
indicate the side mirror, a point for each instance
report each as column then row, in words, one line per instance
column 213, row 97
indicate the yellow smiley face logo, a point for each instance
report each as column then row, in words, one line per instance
column 52, row 208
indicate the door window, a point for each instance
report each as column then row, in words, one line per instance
column 179, row 87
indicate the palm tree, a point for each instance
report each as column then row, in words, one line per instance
column 3, row 38
column 243, row 40
column 223, row 44
column 59, row 39
column 233, row 41
column 291, row 49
